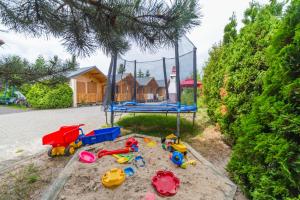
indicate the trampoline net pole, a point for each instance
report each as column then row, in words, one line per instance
column 134, row 83
column 107, row 98
column 195, row 74
column 113, row 88
column 177, row 87
column 165, row 78
column 195, row 81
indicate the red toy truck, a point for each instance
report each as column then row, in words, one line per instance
column 64, row 141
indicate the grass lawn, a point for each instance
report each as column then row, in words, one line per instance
column 162, row 125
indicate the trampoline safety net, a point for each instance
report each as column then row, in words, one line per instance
column 147, row 81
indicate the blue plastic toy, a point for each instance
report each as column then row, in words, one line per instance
column 135, row 148
column 129, row 171
column 101, row 135
column 177, row 158
column 139, row 162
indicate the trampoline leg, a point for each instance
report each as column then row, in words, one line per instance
column 194, row 117
column 106, row 117
column 112, row 119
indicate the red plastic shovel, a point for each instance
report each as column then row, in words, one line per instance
column 118, row 151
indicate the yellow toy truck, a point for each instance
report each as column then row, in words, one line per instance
column 172, row 143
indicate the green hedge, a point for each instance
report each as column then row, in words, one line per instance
column 42, row 96
column 252, row 89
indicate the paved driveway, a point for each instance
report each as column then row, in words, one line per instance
column 21, row 133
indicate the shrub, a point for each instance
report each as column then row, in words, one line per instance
column 252, row 88
column 42, row 96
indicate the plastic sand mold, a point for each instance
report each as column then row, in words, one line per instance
column 129, row 171
column 113, row 177
column 87, row 157
column 147, row 140
column 165, row 183
column 139, row 162
column 123, row 158
column 152, row 143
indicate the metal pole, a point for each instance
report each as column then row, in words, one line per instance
column 108, row 89
column 195, row 74
column 166, row 79
column 134, row 83
column 113, row 85
column 195, row 81
column 177, row 88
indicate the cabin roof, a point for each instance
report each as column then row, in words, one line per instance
column 80, row 71
column 121, row 76
column 144, row 80
column 160, row 83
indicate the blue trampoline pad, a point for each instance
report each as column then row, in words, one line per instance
column 131, row 107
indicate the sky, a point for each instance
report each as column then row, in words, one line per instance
column 215, row 15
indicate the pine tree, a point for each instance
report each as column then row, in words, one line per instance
column 140, row 74
column 86, row 25
column 17, row 71
column 121, row 69
column 147, row 73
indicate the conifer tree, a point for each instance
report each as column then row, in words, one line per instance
column 147, row 73
column 230, row 31
column 121, row 69
column 86, row 25
column 140, row 74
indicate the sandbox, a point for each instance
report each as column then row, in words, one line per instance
column 202, row 181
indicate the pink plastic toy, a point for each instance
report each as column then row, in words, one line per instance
column 87, row 157
column 149, row 196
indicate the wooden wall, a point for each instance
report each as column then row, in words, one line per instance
column 125, row 89
column 90, row 89
column 143, row 91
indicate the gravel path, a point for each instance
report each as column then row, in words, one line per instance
column 21, row 133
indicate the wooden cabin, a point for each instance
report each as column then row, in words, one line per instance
column 124, row 87
column 88, row 85
column 147, row 89
column 161, row 90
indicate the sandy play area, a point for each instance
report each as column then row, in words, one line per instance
column 202, row 181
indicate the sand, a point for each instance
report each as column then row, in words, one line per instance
column 202, row 181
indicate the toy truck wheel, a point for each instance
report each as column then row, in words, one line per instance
column 78, row 144
column 50, row 153
column 69, row 150
column 170, row 148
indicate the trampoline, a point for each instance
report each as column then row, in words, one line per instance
column 153, row 82
column 128, row 107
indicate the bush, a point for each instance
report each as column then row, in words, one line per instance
column 42, row 96
column 252, row 88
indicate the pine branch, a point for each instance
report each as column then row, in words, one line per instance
column 86, row 25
